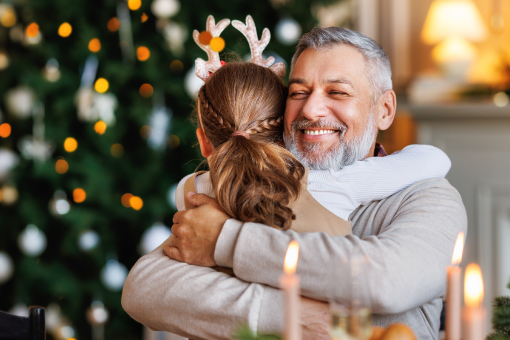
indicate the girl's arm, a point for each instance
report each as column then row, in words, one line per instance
column 376, row 178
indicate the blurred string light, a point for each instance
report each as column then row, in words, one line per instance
column 65, row 30
column 94, row 45
column 101, row 85
column 134, row 4
column 192, row 83
column 9, row 195
column 288, row 31
column 175, row 35
column 159, row 123
column 173, row 141
column 4, row 61
column 176, row 66
column 8, row 160
column 113, row 275
column 36, row 147
column 5, row 130
column 32, row 30
column 70, row 144
column 51, row 71
column 97, row 314
column 136, row 203
column 500, row 99
column 113, row 24
column 125, row 200
column 144, row 17
column 6, row 267
column 32, row 241
column 61, row 166
column 59, row 205
column 145, row 131
column 146, row 90
column 19, row 101
column 79, row 195
column 153, row 237
column 117, row 150
column 8, row 16
column 125, row 33
column 143, row 53
column 163, row 9
column 88, row 240
column 66, row 332
column 100, row 127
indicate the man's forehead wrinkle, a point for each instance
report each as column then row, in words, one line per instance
column 297, row 81
column 339, row 81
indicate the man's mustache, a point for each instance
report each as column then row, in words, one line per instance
column 303, row 123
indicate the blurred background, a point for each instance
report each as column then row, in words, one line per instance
column 96, row 101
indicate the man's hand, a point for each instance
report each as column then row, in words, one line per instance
column 196, row 231
column 315, row 319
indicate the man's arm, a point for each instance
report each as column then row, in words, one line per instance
column 201, row 303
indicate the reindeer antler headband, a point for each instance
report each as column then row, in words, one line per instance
column 204, row 69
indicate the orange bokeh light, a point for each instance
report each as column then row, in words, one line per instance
column 100, row 127
column 79, row 195
column 113, row 24
column 70, row 144
column 217, row 44
column 136, row 202
column 65, row 30
column 94, row 45
column 5, row 130
column 101, row 85
column 146, row 90
column 144, row 17
column 117, row 150
column 32, row 30
column 61, row 166
column 125, row 200
column 143, row 53
column 134, row 4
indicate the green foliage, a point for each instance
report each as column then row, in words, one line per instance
column 64, row 274
column 245, row 333
column 501, row 318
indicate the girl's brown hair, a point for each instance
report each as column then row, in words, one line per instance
column 254, row 179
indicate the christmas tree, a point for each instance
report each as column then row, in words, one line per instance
column 501, row 318
column 95, row 132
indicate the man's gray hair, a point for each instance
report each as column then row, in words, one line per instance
column 379, row 69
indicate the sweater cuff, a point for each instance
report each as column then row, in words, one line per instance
column 226, row 244
column 271, row 312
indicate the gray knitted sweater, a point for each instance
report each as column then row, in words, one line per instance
column 409, row 238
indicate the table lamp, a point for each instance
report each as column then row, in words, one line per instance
column 453, row 25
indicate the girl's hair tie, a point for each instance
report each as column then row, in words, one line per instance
column 241, row 133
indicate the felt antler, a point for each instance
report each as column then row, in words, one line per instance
column 257, row 46
column 203, row 69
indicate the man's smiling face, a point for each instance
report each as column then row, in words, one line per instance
column 330, row 105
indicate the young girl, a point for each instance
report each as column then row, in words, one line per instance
column 240, row 122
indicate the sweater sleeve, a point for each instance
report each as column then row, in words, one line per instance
column 158, row 294
column 378, row 177
column 409, row 239
column 179, row 194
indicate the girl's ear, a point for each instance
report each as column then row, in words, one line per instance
column 205, row 147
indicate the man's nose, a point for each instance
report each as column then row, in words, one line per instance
column 315, row 107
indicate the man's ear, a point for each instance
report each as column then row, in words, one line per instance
column 205, row 147
column 385, row 108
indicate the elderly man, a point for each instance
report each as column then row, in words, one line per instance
column 338, row 78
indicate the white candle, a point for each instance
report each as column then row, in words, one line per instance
column 453, row 292
column 473, row 315
column 289, row 282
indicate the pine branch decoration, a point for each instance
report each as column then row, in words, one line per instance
column 501, row 318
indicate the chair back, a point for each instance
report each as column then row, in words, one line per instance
column 13, row 327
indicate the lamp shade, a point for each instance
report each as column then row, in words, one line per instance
column 453, row 18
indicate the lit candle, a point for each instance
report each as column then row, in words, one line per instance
column 453, row 292
column 289, row 282
column 473, row 315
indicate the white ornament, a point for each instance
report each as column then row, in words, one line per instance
column 113, row 275
column 165, row 8
column 32, row 241
column 36, row 149
column 93, row 106
column 192, row 83
column 66, row 332
column 53, row 317
column 9, row 195
column 159, row 123
column 97, row 314
column 51, row 71
column 88, row 240
column 175, row 35
column 154, row 236
column 19, row 101
column 6, row 267
column 8, row 160
column 171, row 196
column 288, row 31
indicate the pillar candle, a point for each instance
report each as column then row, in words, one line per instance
column 453, row 292
column 289, row 282
column 473, row 314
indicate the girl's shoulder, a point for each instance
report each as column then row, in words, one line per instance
column 202, row 185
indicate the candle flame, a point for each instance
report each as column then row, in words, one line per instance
column 291, row 258
column 457, row 251
column 473, row 286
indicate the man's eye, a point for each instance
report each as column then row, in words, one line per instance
column 338, row 92
column 297, row 94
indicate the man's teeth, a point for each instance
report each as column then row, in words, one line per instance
column 318, row 132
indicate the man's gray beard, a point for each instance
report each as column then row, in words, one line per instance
column 343, row 154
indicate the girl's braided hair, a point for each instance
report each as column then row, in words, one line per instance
column 254, row 179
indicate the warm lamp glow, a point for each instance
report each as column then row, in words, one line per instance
column 453, row 50
column 291, row 258
column 473, row 286
column 453, row 18
column 457, row 250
